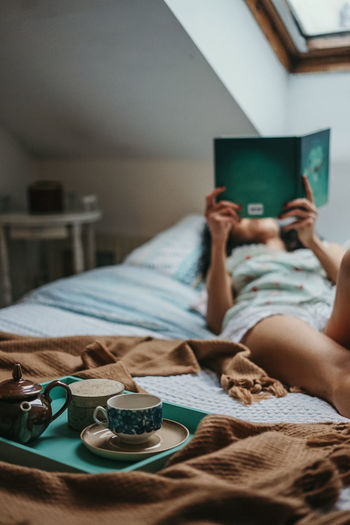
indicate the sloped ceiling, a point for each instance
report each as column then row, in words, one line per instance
column 108, row 77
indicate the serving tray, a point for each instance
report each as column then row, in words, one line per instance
column 60, row 449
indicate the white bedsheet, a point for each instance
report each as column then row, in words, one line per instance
column 40, row 320
column 203, row 391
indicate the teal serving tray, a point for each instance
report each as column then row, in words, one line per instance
column 60, row 449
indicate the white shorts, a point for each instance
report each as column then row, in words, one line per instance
column 315, row 314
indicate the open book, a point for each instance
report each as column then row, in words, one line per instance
column 262, row 173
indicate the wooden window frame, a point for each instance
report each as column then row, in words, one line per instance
column 322, row 54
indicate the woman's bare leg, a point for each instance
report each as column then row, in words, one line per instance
column 338, row 326
column 298, row 355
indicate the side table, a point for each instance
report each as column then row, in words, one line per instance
column 48, row 226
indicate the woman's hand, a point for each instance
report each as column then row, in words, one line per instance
column 221, row 216
column 305, row 214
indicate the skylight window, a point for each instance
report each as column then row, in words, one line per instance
column 321, row 17
column 306, row 35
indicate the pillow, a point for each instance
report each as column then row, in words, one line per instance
column 175, row 251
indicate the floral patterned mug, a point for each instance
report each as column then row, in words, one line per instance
column 132, row 417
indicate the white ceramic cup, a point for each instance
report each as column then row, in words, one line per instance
column 132, row 417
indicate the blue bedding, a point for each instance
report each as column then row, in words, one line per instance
column 131, row 295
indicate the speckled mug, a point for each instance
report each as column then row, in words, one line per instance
column 132, row 417
column 86, row 396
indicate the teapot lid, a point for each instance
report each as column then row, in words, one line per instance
column 18, row 388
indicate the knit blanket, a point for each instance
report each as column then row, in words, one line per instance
column 121, row 358
column 230, row 472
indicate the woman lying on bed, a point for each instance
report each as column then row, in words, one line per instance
column 282, row 304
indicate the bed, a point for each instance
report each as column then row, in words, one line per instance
column 154, row 293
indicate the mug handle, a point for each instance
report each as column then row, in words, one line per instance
column 52, row 385
column 105, row 415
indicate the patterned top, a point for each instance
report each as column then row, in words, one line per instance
column 262, row 276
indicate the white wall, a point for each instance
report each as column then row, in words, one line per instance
column 237, row 50
column 16, row 169
column 320, row 100
column 137, row 196
column 144, row 194
column 109, row 78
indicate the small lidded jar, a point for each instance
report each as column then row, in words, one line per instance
column 87, row 394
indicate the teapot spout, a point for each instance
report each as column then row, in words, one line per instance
column 25, row 433
column 25, row 406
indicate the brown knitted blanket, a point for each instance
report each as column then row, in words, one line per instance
column 120, row 358
column 231, row 472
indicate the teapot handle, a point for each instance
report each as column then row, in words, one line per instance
column 52, row 385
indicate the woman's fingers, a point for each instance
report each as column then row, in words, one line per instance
column 211, row 203
column 307, row 203
column 304, row 212
column 300, row 203
column 308, row 189
column 226, row 205
column 298, row 213
column 296, row 225
column 223, row 207
column 234, row 205
column 210, row 198
column 225, row 211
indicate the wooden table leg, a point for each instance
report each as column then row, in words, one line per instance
column 90, row 246
column 5, row 270
column 77, row 245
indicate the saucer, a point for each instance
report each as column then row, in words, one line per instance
column 101, row 441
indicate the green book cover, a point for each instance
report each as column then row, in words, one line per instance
column 263, row 173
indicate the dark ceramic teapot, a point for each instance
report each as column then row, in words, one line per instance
column 25, row 411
